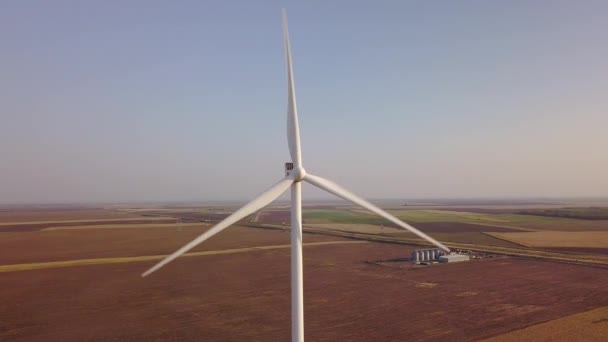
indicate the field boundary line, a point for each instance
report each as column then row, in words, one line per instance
column 504, row 239
column 121, row 260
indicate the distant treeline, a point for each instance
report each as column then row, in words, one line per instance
column 588, row 213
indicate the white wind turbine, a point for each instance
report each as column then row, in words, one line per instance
column 295, row 174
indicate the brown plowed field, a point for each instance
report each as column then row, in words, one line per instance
column 589, row 326
column 29, row 227
column 245, row 297
column 274, row 217
column 212, row 217
column 102, row 243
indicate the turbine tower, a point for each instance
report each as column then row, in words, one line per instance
column 295, row 174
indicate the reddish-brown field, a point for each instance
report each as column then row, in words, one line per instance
column 245, row 296
column 194, row 216
column 28, row 214
column 29, row 227
column 102, row 243
column 588, row 326
column 274, row 217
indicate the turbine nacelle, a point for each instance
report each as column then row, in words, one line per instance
column 297, row 173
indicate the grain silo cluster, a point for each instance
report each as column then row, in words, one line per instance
column 427, row 255
column 436, row 255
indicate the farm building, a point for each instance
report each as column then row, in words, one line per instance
column 453, row 258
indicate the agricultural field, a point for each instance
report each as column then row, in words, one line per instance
column 356, row 228
column 346, row 298
column 482, row 226
column 340, row 216
column 586, row 326
column 465, row 227
column 279, row 217
column 474, row 238
column 591, row 239
column 45, row 225
column 25, row 214
column 578, row 250
column 513, row 221
column 444, row 231
column 63, row 245
column 236, row 285
column 584, row 213
column 193, row 215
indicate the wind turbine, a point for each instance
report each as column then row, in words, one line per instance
column 295, row 174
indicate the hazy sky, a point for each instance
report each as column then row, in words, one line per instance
column 185, row 100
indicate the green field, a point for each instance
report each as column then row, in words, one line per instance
column 527, row 222
column 446, row 216
column 583, row 213
column 362, row 216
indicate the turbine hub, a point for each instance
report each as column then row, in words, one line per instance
column 298, row 173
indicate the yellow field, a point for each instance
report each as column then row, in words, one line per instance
column 586, row 326
column 557, row 239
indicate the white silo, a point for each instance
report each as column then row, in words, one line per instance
column 427, row 255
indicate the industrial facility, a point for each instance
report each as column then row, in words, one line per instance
column 423, row 256
column 427, row 255
column 449, row 258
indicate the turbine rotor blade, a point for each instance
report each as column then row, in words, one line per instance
column 293, row 128
column 335, row 189
column 256, row 204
